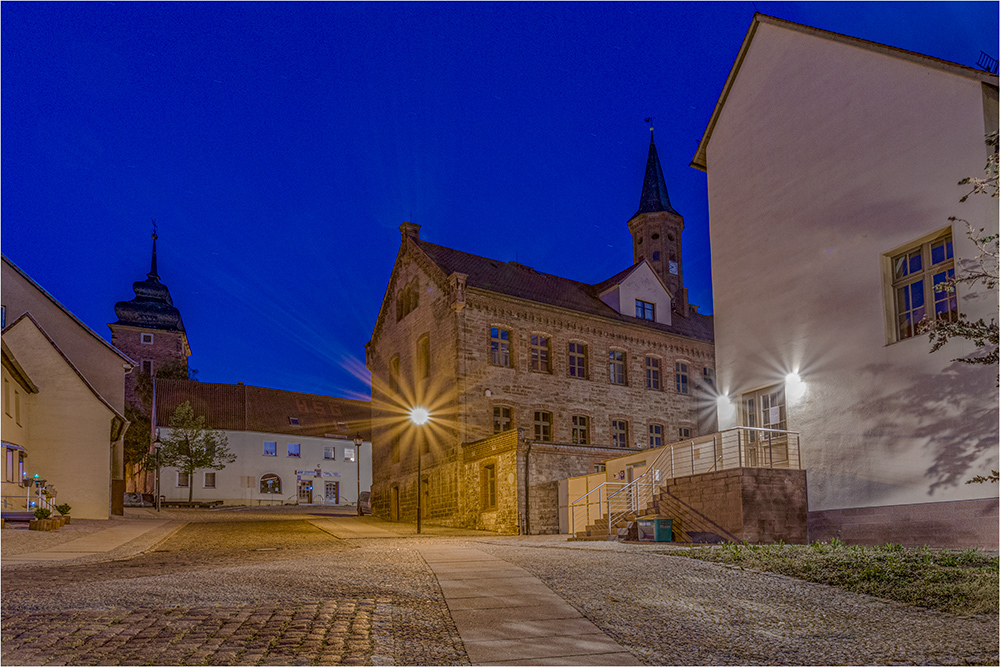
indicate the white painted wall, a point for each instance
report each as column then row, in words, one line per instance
column 825, row 157
column 239, row 482
column 642, row 284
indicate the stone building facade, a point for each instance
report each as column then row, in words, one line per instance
column 564, row 374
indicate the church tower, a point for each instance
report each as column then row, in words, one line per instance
column 149, row 329
column 656, row 231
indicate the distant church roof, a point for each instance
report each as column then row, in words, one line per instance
column 654, row 188
column 152, row 307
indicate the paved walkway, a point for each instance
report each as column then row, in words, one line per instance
column 507, row 616
column 101, row 542
column 351, row 528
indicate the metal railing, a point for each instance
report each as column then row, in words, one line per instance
column 589, row 507
column 740, row 447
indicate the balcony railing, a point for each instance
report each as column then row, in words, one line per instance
column 740, row 447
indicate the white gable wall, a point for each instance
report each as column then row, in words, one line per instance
column 642, row 284
column 825, row 157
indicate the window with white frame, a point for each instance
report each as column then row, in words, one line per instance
column 209, row 480
column 183, row 479
column 616, row 367
column 349, row 454
column 577, row 360
column 655, row 435
column 653, row 373
column 543, row 426
column 541, row 360
column 645, row 310
column 147, row 339
column 500, row 347
column 681, row 377
column 501, row 418
column 330, row 453
column 581, row 430
column 919, row 274
column 619, row 433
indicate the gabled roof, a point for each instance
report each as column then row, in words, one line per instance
column 14, row 368
column 240, row 407
column 700, row 158
column 27, row 317
column 65, row 310
column 523, row 282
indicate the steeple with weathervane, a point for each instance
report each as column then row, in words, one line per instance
column 656, row 230
column 149, row 328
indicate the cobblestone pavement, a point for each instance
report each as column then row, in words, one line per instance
column 235, row 590
column 261, row 589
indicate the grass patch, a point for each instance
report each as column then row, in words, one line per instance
column 959, row 582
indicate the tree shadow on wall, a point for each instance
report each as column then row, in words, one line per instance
column 954, row 412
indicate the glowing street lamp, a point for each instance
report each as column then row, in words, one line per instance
column 419, row 416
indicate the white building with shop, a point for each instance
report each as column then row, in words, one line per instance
column 290, row 448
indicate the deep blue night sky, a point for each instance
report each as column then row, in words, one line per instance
column 279, row 147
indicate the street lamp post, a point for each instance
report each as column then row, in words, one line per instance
column 419, row 416
column 156, row 448
column 357, row 459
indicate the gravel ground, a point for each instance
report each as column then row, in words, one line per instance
column 268, row 587
column 670, row 610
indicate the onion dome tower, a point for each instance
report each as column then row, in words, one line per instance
column 149, row 328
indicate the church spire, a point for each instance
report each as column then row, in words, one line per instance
column 152, row 265
column 654, row 188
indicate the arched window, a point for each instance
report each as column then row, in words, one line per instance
column 270, row 483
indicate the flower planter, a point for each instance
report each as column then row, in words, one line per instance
column 43, row 524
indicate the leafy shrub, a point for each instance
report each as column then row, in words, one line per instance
column 63, row 509
column 42, row 513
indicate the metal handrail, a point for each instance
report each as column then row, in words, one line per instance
column 754, row 449
column 599, row 490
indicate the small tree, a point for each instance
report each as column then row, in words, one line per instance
column 192, row 445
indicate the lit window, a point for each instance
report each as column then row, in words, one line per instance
column 619, row 433
column 681, row 375
column 423, row 357
column 644, row 310
column 349, row 454
column 500, row 347
column 540, row 358
column 501, row 418
column 617, row 367
column 652, row 373
column 577, row 360
column 183, row 479
column 581, row 430
column 147, row 339
column 270, row 483
column 270, row 449
column 294, row 450
column 655, row 435
column 543, row 426
column 209, row 480
column 330, row 453
column 916, row 274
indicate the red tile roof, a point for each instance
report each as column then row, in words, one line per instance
column 240, row 407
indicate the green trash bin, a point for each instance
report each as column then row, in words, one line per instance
column 654, row 528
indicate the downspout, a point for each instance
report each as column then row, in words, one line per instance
column 527, row 486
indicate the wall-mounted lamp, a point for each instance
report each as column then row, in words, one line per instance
column 795, row 388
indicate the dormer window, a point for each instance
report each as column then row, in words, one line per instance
column 645, row 310
column 147, row 339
